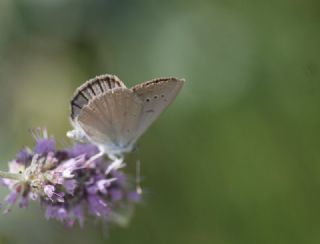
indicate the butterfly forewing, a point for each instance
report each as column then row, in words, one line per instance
column 156, row 95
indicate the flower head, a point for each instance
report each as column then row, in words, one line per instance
column 69, row 183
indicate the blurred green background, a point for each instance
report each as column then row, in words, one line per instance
column 234, row 160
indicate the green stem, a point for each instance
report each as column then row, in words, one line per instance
column 11, row 176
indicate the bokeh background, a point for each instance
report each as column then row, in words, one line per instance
column 235, row 159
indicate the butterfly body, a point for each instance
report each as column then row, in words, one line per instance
column 108, row 114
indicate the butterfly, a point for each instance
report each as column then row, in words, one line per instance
column 106, row 113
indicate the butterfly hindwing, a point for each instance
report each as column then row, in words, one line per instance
column 92, row 89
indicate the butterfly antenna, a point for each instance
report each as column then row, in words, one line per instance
column 138, row 177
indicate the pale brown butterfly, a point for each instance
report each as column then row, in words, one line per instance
column 108, row 114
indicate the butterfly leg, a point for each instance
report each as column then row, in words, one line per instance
column 117, row 163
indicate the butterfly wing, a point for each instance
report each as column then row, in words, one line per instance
column 111, row 119
column 91, row 89
column 156, row 95
column 113, row 116
column 106, row 113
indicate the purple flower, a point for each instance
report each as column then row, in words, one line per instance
column 103, row 184
column 12, row 198
column 49, row 190
column 61, row 214
column 134, row 196
column 68, row 184
column 24, row 202
column 50, row 212
column 116, row 195
column 23, row 156
column 97, row 206
column 83, row 149
column 79, row 214
column 44, row 146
